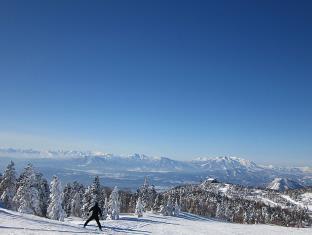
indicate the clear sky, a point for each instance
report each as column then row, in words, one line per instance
column 180, row 79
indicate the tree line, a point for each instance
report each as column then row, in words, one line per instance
column 31, row 193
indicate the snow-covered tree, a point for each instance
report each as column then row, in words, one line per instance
column 98, row 194
column 44, row 192
column 8, row 186
column 176, row 209
column 67, row 198
column 27, row 198
column 95, row 191
column 162, row 210
column 76, row 200
column 105, row 209
column 157, row 203
column 220, row 212
column 139, row 208
column 132, row 204
column 76, row 204
column 114, row 204
column 168, row 208
column 86, row 202
column 103, row 204
column 93, row 194
column 55, row 209
column 147, row 193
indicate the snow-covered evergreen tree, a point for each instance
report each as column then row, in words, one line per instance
column 168, row 209
column 220, row 212
column 67, row 198
column 114, row 204
column 157, row 203
column 92, row 195
column 176, row 209
column 44, row 192
column 76, row 204
column 27, row 198
column 144, row 192
column 55, row 209
column 95, row 191
column 76, row 200
column 139, row 208
column 103, row 204
column 86, row 202
column 147, row 193
column 105, row 209
column 132, row 204
column 8, row 186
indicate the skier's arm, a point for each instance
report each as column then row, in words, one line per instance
column 91, row 209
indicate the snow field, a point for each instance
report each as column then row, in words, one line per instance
column 12, row 223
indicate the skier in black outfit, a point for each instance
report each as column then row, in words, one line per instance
column 95, row 215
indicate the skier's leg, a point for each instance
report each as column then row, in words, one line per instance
column 88, row 220
column 98, row 222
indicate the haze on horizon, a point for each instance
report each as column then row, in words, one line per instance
column 181, row 79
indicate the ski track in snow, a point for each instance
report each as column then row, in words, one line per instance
column 13, row 223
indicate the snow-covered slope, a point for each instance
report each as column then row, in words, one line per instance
column 290, row 199
column 17, row 223
column 282, row 184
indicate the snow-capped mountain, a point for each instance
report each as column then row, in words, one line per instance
column 163, row 171
column 31, row 153
column 136, row 162
column 226, row 163
column 233, row 169
column 282, row 184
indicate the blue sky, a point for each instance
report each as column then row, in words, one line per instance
column 181, row 79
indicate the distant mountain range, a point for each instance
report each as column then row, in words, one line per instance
column 129, row 171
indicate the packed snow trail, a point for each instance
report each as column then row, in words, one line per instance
column 12, row 223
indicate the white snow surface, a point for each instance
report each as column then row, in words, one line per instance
column 17, row 223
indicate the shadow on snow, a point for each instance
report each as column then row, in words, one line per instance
column 46, row 230
column 145, row 220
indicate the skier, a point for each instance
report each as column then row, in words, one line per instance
column 95, row 215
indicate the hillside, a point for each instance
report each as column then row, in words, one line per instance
column 282, row 184
column 17, row 223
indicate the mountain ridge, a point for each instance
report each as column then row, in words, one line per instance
column 165, row 171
